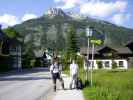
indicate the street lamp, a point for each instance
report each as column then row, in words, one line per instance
column 89, row 32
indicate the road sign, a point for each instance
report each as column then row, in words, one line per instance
column 97, row 38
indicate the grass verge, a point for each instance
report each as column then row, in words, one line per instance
column 110, row 85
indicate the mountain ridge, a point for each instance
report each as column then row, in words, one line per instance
column 54, row 24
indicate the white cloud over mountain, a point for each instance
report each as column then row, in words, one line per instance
column 28, row 16
column 114, row 10
column 10, row 20
column 67, row 4
column 120, row 18
column 94, row 7
column 102, row 9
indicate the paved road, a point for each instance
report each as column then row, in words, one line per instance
column 27, row 85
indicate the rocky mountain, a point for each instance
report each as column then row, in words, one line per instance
column 52, row 12
column 49, row 30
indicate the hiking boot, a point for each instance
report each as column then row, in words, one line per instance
column 54, row 88
column 63, row 86
column 70, row 86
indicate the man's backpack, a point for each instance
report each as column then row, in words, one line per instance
column 79, row 84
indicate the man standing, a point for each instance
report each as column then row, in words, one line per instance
column 73, row 74
column 56, row 73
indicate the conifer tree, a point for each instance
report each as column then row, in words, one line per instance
column 72, row 41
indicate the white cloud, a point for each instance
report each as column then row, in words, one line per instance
column 70, row 1
column 28, row 17
column 11, row 20
column 57, row 1
column 99, row 9
column 67, row 4
column 121, row 5
column 102, row 9
column 120, row 18
column 95, row 8
column 8, row 20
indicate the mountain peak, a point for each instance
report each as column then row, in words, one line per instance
column 55, row 12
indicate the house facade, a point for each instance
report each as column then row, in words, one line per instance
column 10, row 52
column 4, row 59
column 107, row 57
column 130, row 59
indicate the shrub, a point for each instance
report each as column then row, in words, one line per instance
column 38, row 62
column 99, row 63
column 80, row 61
column 114, row 65
column 26, row 61
column 5, row 63
column 65, row 61
column 32, row 62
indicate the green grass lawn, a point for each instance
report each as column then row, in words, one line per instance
column 110, row 85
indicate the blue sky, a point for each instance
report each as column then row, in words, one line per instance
column 119, row 12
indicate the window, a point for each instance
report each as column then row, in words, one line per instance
column 5, row 48
column 13, row 49
column 121, row 64
column 106, row 64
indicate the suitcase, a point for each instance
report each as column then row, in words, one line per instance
column 79, row 84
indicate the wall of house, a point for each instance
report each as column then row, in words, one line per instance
column 107, row 64
column 130, row 62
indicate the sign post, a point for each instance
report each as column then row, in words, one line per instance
column 95, row 38
column 89, row 34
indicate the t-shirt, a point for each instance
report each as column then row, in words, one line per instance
column 54, row 68
column 73, row 69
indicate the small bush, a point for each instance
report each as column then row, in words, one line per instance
column 99, row 63
column 5, row 63
column 38, row 62
column 32, row 62
column 114, row 65
column 26, row 63
column 80, row 61
column 65, row 61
